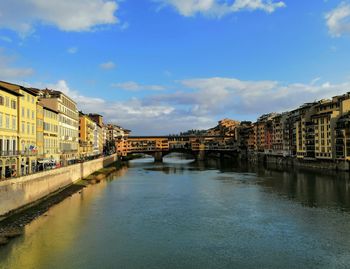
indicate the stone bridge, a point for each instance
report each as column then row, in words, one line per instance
column 197, row 146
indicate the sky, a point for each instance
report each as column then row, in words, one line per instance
column 159, row 67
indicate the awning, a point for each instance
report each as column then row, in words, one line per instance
column 71, row 159
column 44, row 161
column 47, row 161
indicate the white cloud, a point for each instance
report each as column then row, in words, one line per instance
column 338, row 20
column 133, row 113
column 108, row 65
column 72, row 50
column 9, row 71
column 219, row 8
column 315, row 80
column 67, row 15
column 82, row 100
column 167, row 73
column 134, row 86
column 220, row 96
column 124, row 26
column 202, row 102
column 6, row 39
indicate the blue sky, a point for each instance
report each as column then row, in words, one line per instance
column 164, row 66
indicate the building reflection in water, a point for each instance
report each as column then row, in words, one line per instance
column 65, row 221
column 311, row 188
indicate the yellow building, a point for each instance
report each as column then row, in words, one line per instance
column 9, row 155
column 86, row 135
column 123, row 147
column 325, row 121
column 304, row 131
column 277, row 135
column 342, row 137
column 26, row 106
column 51, row 142
column 40, row 130
column 225, row 127
column 263, row 133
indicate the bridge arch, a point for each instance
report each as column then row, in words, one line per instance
column 197, row 146
column 180, row 150
column 159, row 155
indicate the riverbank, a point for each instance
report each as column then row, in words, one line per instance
column 19, row 193
column 292, row 162
column 13, row 226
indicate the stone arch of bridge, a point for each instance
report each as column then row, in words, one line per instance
column 159, row 155
column 181, row 150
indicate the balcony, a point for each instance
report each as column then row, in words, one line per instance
column 68, row 138
column 68, row 151
column 28, row 153
column 9, row 153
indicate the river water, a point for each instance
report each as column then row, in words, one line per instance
column 180, row 214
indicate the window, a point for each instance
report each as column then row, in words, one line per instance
column 0, row 120
column 28, row 113
column 7, row 121
column 33, row 114
column 14, row 145
column 28, row 128
column 7, row 145
column 23, row 112
column 13, row 104
column 1, row 100
column 33, row 129
column 14, row 123
column 23, row 127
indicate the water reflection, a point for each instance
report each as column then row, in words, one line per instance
column 310, row 188
column 184, row 214
column 326, row 189
column 59, row 223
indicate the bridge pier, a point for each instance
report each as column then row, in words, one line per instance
column 201, row 155
column 158, row 157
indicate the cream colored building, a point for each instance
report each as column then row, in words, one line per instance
column 68, row 123
column 51, row 135
column 98, row 134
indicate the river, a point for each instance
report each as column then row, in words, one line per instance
column 180, row 214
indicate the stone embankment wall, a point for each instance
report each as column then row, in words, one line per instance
column 298, row 163
column 19, row 192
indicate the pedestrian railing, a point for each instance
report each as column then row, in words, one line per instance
column 37, row 169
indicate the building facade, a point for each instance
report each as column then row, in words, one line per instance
column 9, row 150
column 86, row 135
column 99, row 137
column 68, row 123
column 51, row 154
column 26, row 125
